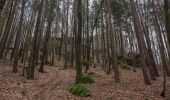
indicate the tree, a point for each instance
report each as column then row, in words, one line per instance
column 31, row 64
column 18, row 40
column 2, row 3
column 90, row 39
column 167, row 18
column 4, row 14
column 3, row 41
column 48, row 33
column 78, row 42
column 141, row 42
column 113, row 48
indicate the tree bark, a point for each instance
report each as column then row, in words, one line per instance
column 18, row 40
column 141, row 42
column 79, row 42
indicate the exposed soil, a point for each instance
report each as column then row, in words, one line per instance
column 53, row 85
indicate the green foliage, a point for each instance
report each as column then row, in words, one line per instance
column 80, row 90
column 125, row 66
column 87, row 79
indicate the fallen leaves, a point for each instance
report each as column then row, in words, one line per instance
column 53, row 85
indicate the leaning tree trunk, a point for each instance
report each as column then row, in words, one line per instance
column 167, row 18
column 18, row 40
column 8, row 27
column 2, row 4
column 11, row 36
column 141, row 42
column 4, row 15
column 31, row 64
column 162, row 54
column 149, row 57
column 47, row 37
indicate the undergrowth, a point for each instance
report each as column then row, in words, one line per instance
column 125, row 66
column 87, row 79
column 80, row 90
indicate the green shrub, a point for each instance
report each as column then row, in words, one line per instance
column 87, row 79
column 80, row 90
column 125, row 66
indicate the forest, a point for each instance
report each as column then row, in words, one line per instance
column 84, row 49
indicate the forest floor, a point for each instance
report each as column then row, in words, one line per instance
column 54, row 84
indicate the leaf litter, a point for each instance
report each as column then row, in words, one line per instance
column 54, row 84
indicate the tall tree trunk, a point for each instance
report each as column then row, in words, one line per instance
column 39, row 43
column 113, row 47
column 18, row 40
column 7, row 28
column 149, row 55
column 62, row 40
column 162, row 54
column 78, row 42
column 141, row 42
column 4, row 15
column 66, row 38
column 48, row 33
column 31, row 63
column 167, row 18
column 90, row 41
column 2, row 4
column 74, row 31
column 12, row 33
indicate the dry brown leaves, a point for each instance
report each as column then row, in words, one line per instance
column 53, row 85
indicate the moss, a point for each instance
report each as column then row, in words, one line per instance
column 79, row 90
column 125, row 66
column 87, row 79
